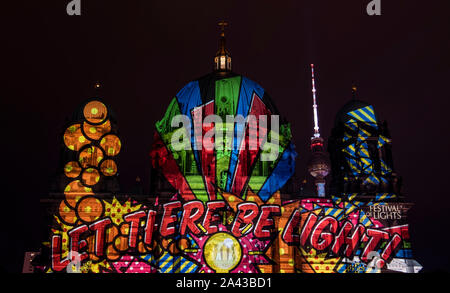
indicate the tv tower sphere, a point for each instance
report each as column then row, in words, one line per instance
column 319, row 164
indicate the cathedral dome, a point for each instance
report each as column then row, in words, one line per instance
column 238, row 163
column 360, row 151
column 343, row 116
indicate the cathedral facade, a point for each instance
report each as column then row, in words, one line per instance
column 222, row 159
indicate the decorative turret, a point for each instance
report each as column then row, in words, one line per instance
column 360, row 150
column 222, row 60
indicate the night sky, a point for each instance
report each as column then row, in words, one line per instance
column 144, row 52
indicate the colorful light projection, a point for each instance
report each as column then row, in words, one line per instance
column 315, row 235
column 199, row 172
column 227, row 214
column 362, row 162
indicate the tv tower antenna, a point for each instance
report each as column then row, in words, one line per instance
column 318, row 165
column 316, row 116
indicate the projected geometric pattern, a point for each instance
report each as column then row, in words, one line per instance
column 200, row 173
column 227, row 214
column 361, row 161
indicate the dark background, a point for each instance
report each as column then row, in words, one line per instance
column 143, row 52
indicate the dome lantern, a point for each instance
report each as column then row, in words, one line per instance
column 222, row 60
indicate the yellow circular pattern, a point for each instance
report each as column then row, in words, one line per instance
column 94, row 132
column 74, row 139
column 108, row 168
column 72, row 169
column 74, row 191
column 222, row 252
column 111, row 144
column 95, row 112
column 90, row 157
column 90, row 209
column 90, row 176
column 67, row 214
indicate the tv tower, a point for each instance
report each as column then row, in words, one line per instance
column 319, row 164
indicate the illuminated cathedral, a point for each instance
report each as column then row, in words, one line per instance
column 222, row 195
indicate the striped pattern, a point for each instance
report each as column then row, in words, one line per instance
column 350, row 149
column 350, row 207
column 316, row 209
column 385, row 169
column 365, row 114
column 346, row 137
column 351, row 268
column 354, row 166
column 372, row 203
column 149, row 258
column 334, row 212
column 382, row 140
column 351, row 196
column 364, row 219
column 364, row 158
column 352, row 124
column 192, row 242
column 372, row 179
column 341, row 268
column 363, row 134
column 364, row 150
column 365, row 165
column 384, row 196
column 384, row 180
column 176, row 264
column 336, row 200
column 357, row 203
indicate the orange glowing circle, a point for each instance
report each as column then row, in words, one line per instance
column 94, row 132
column 72, row 169
column 90, row 176
column 111, row 145
column 74, row 138
column 89, row 209
column 67, row 214
column 90, row 157
column 108, row 167
column 75, row 191
column 95, row 112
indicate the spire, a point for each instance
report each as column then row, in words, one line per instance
column 222, row 60
column 316, row 116
column 354, row 89
column 318, row 165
